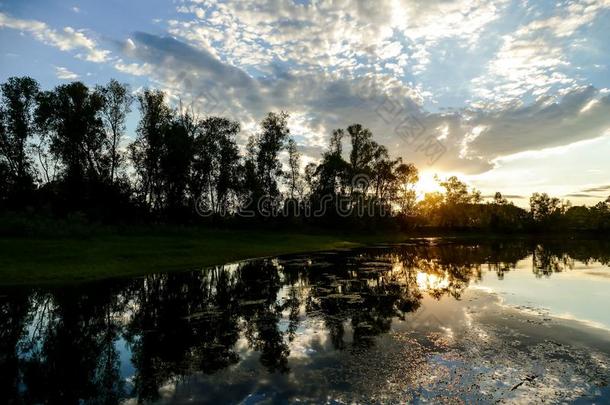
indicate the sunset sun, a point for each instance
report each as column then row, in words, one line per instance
column 427, row 183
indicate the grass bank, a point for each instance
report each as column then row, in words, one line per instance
column 64, row 260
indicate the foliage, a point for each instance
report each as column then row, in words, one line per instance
column 17, row 127
column 61, row 154
column 117, row 100
column 216, row 171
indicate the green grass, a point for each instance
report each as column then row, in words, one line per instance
column 65, row 260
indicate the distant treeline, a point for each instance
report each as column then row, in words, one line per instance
column 63, row 155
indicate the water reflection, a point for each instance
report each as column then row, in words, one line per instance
column 110, row 341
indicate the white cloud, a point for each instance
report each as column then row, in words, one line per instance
column 435, row 20
column 343, row 34
column 134, row 69
column 470, row 137
column 590, row 104
column 67, row 39
column 130, row 46
column 533, row 60
column 65, row 74
column 574, row 16
column 521, row 66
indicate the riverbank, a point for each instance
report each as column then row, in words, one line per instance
column 89, row 258
column 54, row 254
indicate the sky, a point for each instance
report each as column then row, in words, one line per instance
column 509, row 95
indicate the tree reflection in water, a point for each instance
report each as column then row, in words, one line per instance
column 60, row 345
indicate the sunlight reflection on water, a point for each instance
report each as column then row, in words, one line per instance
column 432, row 319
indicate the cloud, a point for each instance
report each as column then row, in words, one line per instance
column 157, row 49
column 542, row 124
column 433, row 21
column 350, row 35
column 576, row 15
column 65, row 74
column 533, row 59
column 334, row 64
column 320, row 101
column 521, row 66
column 67, row 39
column 134, row 69
column 581, row 195
column 604, row 188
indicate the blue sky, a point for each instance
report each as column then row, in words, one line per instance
column 517, row 92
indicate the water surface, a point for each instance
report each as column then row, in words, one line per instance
column 427, row 321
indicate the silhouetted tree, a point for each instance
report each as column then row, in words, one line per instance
column 270, row 141
column 456, row 191
column 364, row 150
column 332, row 173
column 70, row 118
column 17, row 126
column 543, row 207
column 293, row 176
column 309, row 176
column 148, row 148
column 175, row 163
column 499, row 199
column 262, row 165
column 71, row 113
column 216, row 170
column 61, row 151
column 117, row 101
column 406, row 177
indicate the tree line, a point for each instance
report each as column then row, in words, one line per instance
column 65, row 152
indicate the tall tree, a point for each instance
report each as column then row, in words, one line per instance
column 456, row 191
column 216, row 164
column 332, row 173
column 543, row 207
column 70, row 114
column 271, row 140
column 264, row 154
column 382, row 174
column 175, row 162
column 364, row 149
column 230, row 173
column 293, row 176
column 147, row 150
column 406, row 177
column 117, row 105
column 17, row 126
